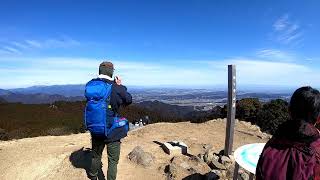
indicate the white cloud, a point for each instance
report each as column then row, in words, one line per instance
column 18, row 47
column 63, row 43
column 8, row 50
column 52, row 43
column 275, row 55
column 287, row 31
column 255, row 71
column 33, row 43
column 60, row 70
column 281, row 23
column 11, row 49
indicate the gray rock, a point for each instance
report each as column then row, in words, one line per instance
column 230, row 171
column 200, row 156
column 248, row 124
column 138, row 156
column 225, row 160
column 216, row 157
column 207, row 147
column 266, row 136
column 171, row 171
column 244, row 176
column 185, row 165
column 196, row 159
column 223, row 173
column 216, row 165
column 208, row 156
column 192, row 170
column 169, row 177
column 229, row 165
column 232, row 158
column 253, row 127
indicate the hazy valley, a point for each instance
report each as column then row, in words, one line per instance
column 200, row 99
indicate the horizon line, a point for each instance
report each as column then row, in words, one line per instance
column 224, row 86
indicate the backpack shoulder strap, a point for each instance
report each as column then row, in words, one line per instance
column 108, row 86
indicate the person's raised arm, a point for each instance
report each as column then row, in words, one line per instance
column 125, row 96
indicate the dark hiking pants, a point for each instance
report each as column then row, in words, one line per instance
column 113, row 150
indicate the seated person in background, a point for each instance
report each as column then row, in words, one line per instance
column 294, row 150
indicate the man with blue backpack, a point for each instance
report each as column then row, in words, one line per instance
column 104, row 98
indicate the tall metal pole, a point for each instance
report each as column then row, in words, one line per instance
column 231, row 109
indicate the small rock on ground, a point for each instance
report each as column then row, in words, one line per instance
column 216, row 165
column 140, row 157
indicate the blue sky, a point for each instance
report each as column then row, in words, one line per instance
column 164, row 42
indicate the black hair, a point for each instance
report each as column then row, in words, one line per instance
column 305, row 104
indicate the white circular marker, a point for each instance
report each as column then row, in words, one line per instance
column 247, row 156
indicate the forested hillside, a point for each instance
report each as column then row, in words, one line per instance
column 28, row 120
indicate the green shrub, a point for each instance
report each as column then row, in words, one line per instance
column 272, row 115
column 247, row 109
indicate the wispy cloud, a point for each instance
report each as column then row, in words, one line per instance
column 33, row 43
column 275, row 55
column 18, row 47
column 8, row 50
column 11, row 49
column 52, row 43
column 287, row 31
column 281, row 23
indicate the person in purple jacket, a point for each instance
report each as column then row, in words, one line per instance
column 294, row 150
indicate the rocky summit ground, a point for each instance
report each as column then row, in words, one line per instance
column 66, row 157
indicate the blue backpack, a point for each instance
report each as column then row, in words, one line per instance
column 97, row 93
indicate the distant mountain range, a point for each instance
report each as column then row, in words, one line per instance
column 33, row 97
column 64, row 90
column 173, row 96
column 38, row 98
column 4, row 92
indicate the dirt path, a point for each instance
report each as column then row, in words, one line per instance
column 65, row 157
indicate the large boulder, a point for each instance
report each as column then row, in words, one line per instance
column 140, row 157
column 221, row 165
column 183, row 166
